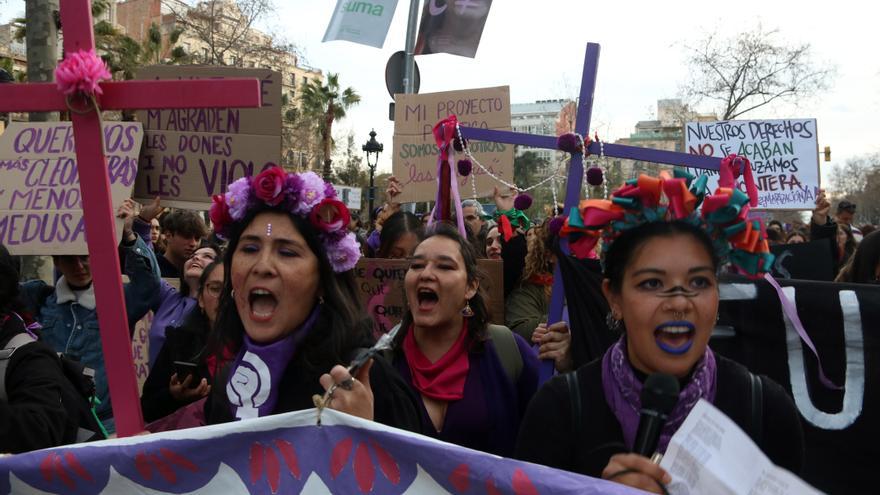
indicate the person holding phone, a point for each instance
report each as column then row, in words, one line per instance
column 184, row 368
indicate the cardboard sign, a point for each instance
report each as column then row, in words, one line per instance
column 191, row 154
column 40, row 199
column 414, row 159
column 784, row 156
column 140, row 349
column 380, row 286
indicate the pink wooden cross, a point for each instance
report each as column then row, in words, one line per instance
column 76, row 17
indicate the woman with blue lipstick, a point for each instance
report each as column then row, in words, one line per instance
column 662, row 257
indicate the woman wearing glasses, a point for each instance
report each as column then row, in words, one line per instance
column 165, row 390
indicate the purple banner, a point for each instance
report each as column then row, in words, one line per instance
column 284, row 454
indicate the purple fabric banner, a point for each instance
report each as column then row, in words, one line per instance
column 452, row 26
column 284, row 454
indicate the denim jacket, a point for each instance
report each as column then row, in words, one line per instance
column 70, row 323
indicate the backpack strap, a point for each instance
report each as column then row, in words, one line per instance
column 19, row 340
column 574, row 394
column 757, row 390
column 507, row 350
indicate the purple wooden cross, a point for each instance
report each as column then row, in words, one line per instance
column 576, row 167
column 76, row 16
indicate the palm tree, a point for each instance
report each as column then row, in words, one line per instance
column 324, row 105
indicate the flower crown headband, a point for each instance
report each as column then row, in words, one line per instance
column 738, row 240
column 305, row 195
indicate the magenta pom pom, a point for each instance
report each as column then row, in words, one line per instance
column 569, row 143
column 555, row 225
column 464, row 167
column 595, row 176
column 456, row 143
column 522, row 202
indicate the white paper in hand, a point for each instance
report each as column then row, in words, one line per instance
column 710, row 454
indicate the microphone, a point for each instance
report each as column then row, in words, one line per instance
column 659, row 396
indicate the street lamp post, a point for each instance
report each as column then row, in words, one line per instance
column 372, row 149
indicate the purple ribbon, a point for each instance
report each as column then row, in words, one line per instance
column 790, row 310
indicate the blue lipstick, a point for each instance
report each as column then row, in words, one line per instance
column 679, row 350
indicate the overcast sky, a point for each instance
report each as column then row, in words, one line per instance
column 537, row 49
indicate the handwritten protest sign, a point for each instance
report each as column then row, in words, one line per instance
column 784, row 156
column 191, row 154
column 381, row 292
column 414, row 159
column 140, row 349
column 40, row 199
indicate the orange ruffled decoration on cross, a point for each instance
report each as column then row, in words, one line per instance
column 724, row 215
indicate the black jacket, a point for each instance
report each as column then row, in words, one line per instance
column 34, row 416
column 184, row 343
column 547, row 435
column 394, row 403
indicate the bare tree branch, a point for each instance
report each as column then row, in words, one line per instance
column 751, row 70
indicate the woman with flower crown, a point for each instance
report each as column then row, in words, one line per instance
column 289, row 310
column 661, row 267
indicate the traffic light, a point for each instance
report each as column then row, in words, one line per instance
column 828, row 153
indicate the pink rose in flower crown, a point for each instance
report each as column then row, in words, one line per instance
column 330, row 215
column 269, row 184
column 219, row 214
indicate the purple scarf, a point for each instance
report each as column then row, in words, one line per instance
column 623, row 392
column 255, row 375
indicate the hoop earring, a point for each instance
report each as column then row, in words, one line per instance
column 612, row 321
column 467, row 312
column 232, row 293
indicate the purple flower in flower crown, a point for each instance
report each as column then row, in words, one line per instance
column 329, row 191
column 237, row 197
column 344, row 254
column 292, row 188
column 311, row 194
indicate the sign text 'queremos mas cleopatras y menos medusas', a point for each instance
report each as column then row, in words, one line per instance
column 414, row 159
column 191, row 154
column 784, row 154
column 40, row 200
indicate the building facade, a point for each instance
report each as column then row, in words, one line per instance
column 542, row 117
column 216, row 32
column 666, row 133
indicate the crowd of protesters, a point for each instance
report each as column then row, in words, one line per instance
column 275, row 281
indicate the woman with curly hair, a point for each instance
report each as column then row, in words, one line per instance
column 527, row 305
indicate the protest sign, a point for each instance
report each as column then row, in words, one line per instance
column 814, row 260
column 286, row 453
column 784, row 156
column 366, row 23
column 140, row 349
column 351, row 196
column 414, row 158
column 380, row 288
column 191, row 154
column 840, row 425
column 40, row 199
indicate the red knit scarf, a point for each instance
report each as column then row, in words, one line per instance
column 444, row 379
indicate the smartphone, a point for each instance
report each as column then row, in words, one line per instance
column 185, row 369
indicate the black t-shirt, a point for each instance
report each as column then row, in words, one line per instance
column 167, row 268
column 547, row 435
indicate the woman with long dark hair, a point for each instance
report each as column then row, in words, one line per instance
column 165, row 391
column 474, row 378
column 661, row 281
column 289, row 309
